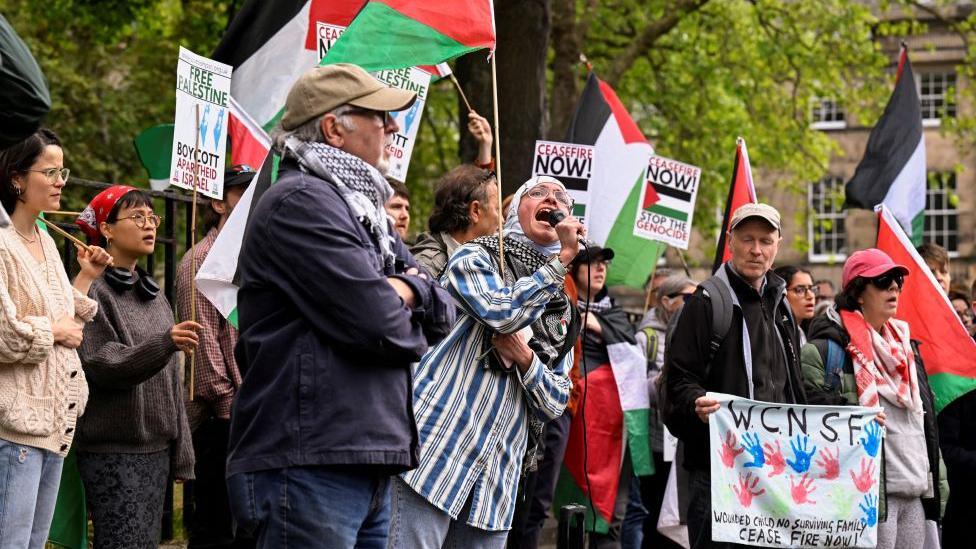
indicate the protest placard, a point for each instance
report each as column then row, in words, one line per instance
column 667, row 202
column 400, row 146
column 794, row 476
column 571, row 164
column 201, row 84
column 326, row 35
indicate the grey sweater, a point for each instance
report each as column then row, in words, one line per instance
column 134, row 376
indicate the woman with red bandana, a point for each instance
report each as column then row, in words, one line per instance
column 135, row 433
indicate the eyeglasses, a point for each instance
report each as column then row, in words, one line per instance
column 884, row 281
column 384, row 116
column 140, row 220
column 801, row 290
column 540, row 192
column 52, row 173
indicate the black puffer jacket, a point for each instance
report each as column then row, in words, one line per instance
column 690, row 374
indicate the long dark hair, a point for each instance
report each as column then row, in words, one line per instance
column 17, row 159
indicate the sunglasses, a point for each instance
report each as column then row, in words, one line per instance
column 383, row 116
column 684, row 296
column 884, row 281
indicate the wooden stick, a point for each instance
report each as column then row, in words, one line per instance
column 63, row 233
column 498, row 163
column 60, row 212
column 193, row 257
column 684, row 264
column 458, row 86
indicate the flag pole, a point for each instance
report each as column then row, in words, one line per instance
column 498, row 163
column 193, row 256
column 460, row 91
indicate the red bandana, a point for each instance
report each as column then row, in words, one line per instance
column 98, row 209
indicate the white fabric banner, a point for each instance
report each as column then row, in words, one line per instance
column 794, row 476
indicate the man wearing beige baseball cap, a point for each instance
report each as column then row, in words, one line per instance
column 735, row 335
column 332, row 312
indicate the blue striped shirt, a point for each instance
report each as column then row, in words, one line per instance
column 473, row 421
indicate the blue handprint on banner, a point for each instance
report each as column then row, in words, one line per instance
column 801, row 454
column 218, row 127
column 750, row 442
column 871, row 441
column 203, row 126
column 870, row 508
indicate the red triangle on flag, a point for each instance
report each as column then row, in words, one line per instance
column 948, row 351
column 650, row 196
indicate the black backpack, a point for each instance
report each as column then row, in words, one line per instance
column 719, row 296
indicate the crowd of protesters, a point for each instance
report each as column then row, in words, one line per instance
column 386, row 396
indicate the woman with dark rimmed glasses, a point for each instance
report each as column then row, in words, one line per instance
column 801, row 292
column 860, row 354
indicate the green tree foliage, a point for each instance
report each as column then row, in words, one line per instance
column 111, row 68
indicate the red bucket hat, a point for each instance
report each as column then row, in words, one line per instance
column 869, row 263
column 98, row 209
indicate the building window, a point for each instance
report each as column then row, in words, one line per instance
column 933, row 91
column 941, row 213
column 826, row 114
column 828, row 241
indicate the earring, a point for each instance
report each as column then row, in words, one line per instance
column 18, row 191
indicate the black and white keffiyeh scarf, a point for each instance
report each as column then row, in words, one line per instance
column 361, row 186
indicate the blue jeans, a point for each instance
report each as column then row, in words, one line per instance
column 29, row 479
column 632, row 530
column 311, row 507
column 416, row 524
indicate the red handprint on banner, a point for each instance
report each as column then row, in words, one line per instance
column 775, row 459
column 801, row 492
column 729, row 452
column 865, row 479
column 745, row 491
column 828, row 462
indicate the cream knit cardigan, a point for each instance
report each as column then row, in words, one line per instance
column 42, row 385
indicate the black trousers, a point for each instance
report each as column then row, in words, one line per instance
column 700, row 513
column 209, row 522
column 537, row 489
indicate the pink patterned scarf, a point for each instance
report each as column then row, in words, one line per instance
column 884, row 363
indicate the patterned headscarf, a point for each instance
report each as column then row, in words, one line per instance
column 97, row 211
column 513, row 227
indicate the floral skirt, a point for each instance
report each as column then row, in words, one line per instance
column 125, row 494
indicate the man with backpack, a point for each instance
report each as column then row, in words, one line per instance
column 735, row 335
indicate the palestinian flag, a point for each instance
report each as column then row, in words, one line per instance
column 616, row 416
column 216, row 276
column 395, row 34
column 892, row 171
column 947, row 349
column 742, row 190
column 270, row 44
column 619, row 171
column 154, row 147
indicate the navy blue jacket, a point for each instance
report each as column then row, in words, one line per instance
column 325, row 342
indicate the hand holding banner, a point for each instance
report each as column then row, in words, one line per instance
column 794, row 476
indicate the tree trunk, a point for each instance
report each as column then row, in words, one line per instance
column 567, row 47
column 522, row 28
